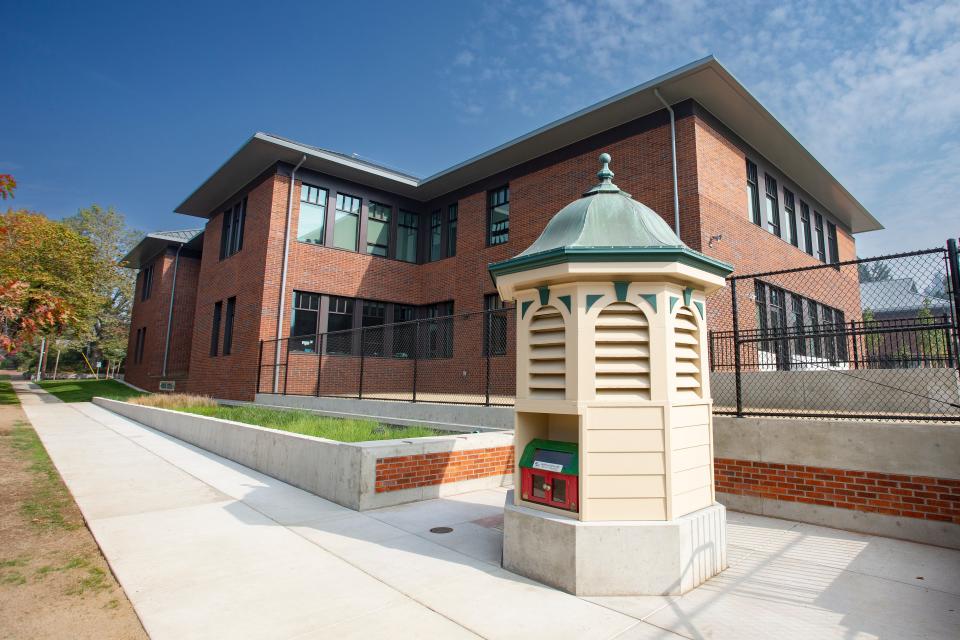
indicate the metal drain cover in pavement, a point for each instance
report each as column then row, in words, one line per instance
column 441, row 530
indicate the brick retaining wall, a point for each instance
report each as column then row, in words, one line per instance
column 408, row 472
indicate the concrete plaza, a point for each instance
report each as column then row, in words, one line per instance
column 207, row 548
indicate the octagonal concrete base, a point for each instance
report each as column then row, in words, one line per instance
column 615, row 558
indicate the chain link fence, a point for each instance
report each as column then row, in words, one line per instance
column 868, row 338
column 459, row 359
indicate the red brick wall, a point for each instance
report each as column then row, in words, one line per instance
column 152, row 314
column 408, row 472
column 885, row 493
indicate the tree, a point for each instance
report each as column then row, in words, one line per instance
column 107, row 230
column 874, row 271
column 932, row 342
column 48, row 276
column 7, row 186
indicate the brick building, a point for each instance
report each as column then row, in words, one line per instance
column 355, row 244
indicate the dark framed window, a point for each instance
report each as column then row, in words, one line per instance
column 346, row 223
column 438, row 330
column 791, row 211
column 805, row 227
column 813, row 320
column 773, row 205
column 495, row 325
column 753, row 194
column 436, row 236
column 378, row 229
column 760, row 295
column 405, row 334
column 452, row 230
column 228, row 326
column 832, row 242
column 498, row 216
column 313, row 214
column 146, row 283
column 138, row 347
column 818, row 230
column 407, row 234
column 840, row 326
column 339, row 325
column 231, row 234
column 373, row 315
column 304, row 322
column 215, row 331
column 800, row 343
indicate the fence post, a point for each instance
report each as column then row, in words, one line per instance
column 319, row 359
column 487, row 339
column 853, row 337
column 416, row 356
column 286, row 367
column 360, row 386
column 736, row 348
column 954, row 263
column 259, row 367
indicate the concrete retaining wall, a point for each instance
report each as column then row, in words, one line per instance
column 451, row 417
column 341, row 472
column 888, row 464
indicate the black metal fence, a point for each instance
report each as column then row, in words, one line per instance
column 458, row 359
column 866, row 338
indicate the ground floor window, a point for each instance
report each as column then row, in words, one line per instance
column 795, row 332
column 495, row 325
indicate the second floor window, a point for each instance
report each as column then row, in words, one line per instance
column 753, row 194
column 773, row 205
column 378, row 229
column 832, row 242
column 805, row 227
column 790, row 209
column 346, row 224
column 313, row 214
column 436, row 236
column 407, row 232
column 821, row 244
column 498, row 216
column 451, row 230
column 231, row 234
column 146, row 283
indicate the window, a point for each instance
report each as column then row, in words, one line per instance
column 138, row 346
column 404, row 335
column 841, row 339
column 346, row 223
column 800, row 344
column 215, row 332
column 378, row 229
column 436, row 236
column 305, row 322
column 231, row 235
column 832, row 242
column 146, row 283
column 773, row 206
column 439, row 330
column 313, row 214
column 821, row 247
column 788, row 206
column 451, row 230
column 753, row 194
column 339, row 324
column 805, row 226
column 813, row 319
column 495, row 325
column 407, row 236
column 374, row 314
column 498, row 215
column 228, row 326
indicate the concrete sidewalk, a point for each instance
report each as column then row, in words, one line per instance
column 207, row 548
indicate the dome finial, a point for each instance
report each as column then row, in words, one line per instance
column 605, row 174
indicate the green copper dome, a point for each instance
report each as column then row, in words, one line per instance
column 607, row 225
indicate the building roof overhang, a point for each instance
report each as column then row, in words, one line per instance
column 154, row 243
column 706, row 81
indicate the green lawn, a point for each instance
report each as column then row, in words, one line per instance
column 85, row 390
column 311, row 424
column 7, row 396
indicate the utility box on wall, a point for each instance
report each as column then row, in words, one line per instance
column 612, row 369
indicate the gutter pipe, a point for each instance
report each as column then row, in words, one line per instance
column 283, row 275
column 673, row 151
column 173, row 293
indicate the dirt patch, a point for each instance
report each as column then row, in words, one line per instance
column 54, row 583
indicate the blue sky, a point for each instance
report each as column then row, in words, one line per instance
column 133, row 104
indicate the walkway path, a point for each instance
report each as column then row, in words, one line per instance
column 208, row 548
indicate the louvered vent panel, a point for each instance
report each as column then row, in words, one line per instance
column 548, row 345
column 687, row 350
column 622, row 353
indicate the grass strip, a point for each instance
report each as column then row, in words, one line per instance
column 7, row 396
column 85, row 390
column 45, row 507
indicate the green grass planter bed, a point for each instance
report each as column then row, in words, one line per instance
column 86, row 390
column 299, row 448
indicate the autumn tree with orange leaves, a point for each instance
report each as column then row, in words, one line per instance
column 48, row 278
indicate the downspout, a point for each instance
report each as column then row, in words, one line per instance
column 173, row 293
column 283, row 275
column 673, row 151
